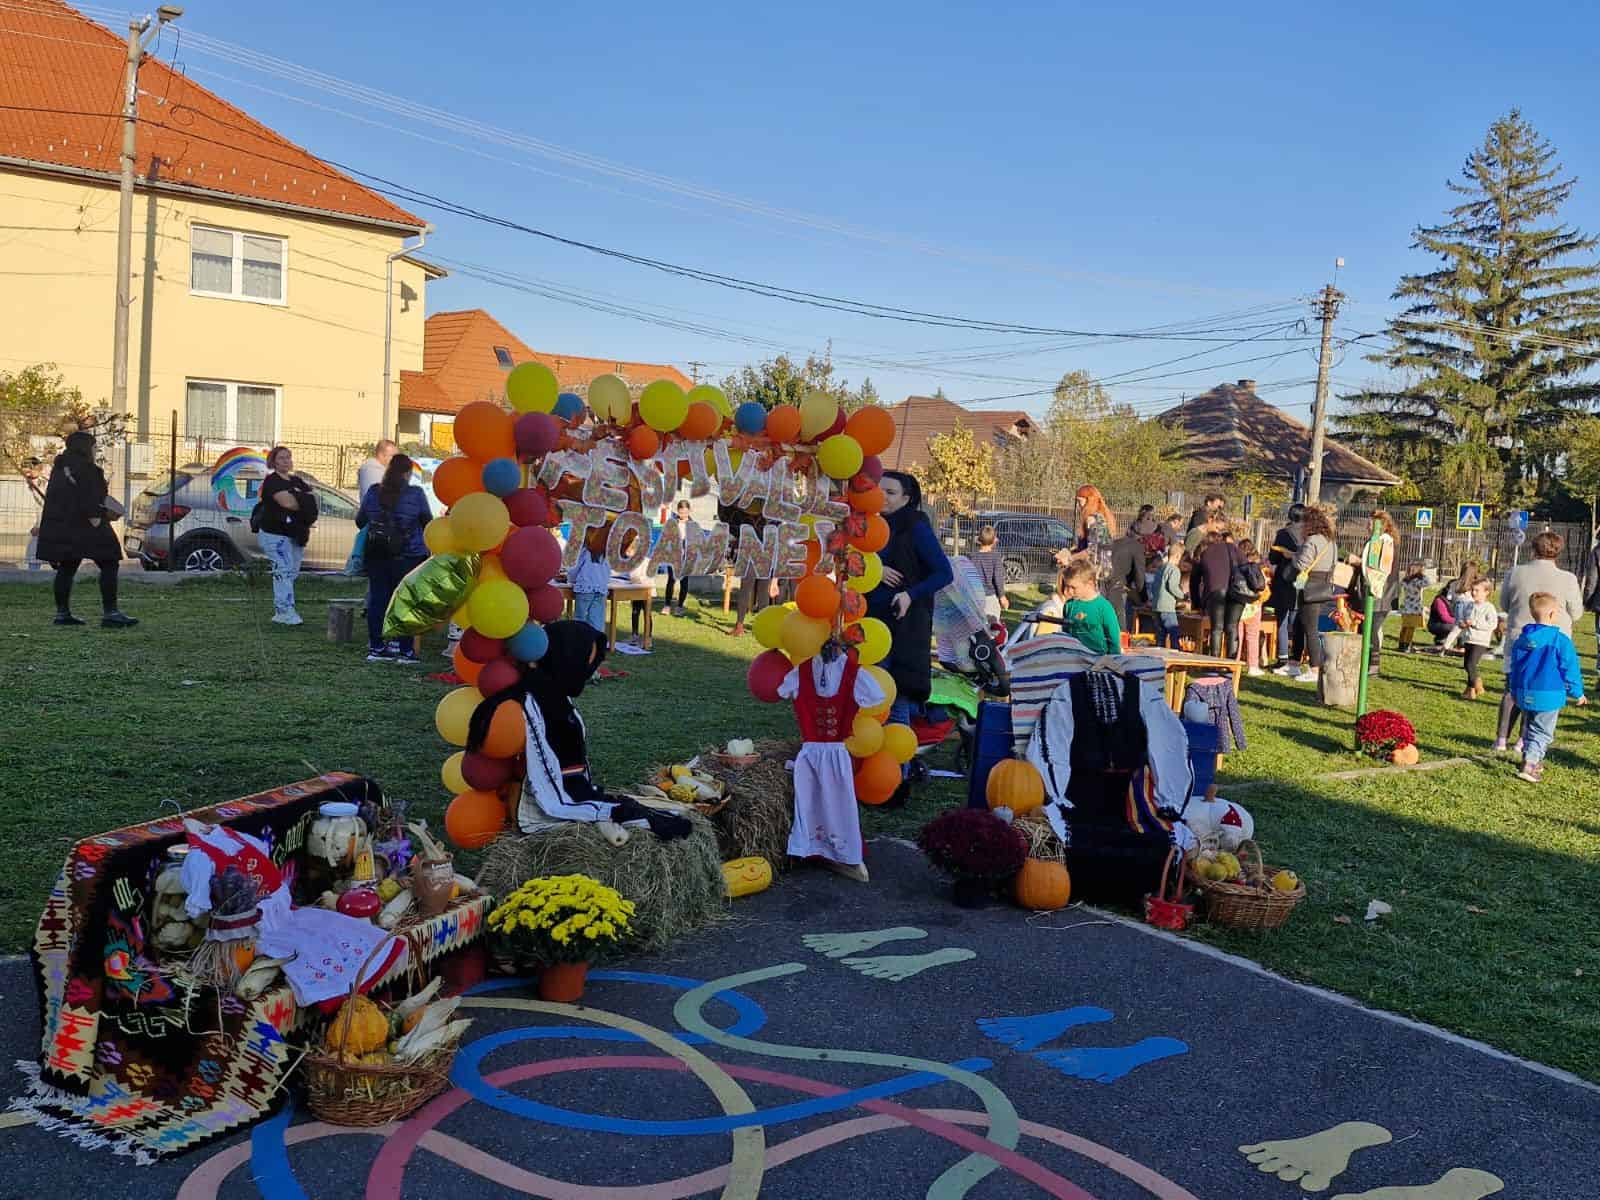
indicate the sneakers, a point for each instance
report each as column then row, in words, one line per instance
column 117, row 619
column 1255, row 671
column 404, row 653
column 1532, row 772
column 1288, row 670
column 1499, row 746
column 287, row 617
column 1310, row 676
column 66, row 618
column 379, row 654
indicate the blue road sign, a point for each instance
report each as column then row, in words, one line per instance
column 1469, row 516
column 1424, row 518
column 1517, row 519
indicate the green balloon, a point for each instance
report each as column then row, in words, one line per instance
column 532, row 387
column 429, row 593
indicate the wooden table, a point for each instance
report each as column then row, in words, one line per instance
column 1180, row 664
column 618, row 591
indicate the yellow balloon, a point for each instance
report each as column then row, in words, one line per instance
column 768, row 626
column 817, row 412
column 491, row 570
column 704, row 393
column 870, row 577
column 874, row 647
column 480, row 521
column 663, row 406
column 899, row 741
column 454, row 714
column 839, row 456
column 610, row 400
column 886, row 682
column 802, row 636
column 462, row 617
column 450, row 774
column 866, row 736
column 499, row 608
column 438, row 537
column 532, row 387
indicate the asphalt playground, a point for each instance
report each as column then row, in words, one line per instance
column 834, row 1040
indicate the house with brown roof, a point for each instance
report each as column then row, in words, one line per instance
column 919, row 419
column 262, row 301
column 1230, row 429
column 467, row 355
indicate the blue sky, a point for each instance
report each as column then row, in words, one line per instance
column 1065, row 165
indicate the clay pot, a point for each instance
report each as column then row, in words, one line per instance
column 562, row 983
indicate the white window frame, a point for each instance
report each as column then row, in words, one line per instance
column 233, row 386
column 238, row 236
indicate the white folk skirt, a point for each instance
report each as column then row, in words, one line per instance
column 827, row 823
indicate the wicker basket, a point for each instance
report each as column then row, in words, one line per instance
column 1248, row 905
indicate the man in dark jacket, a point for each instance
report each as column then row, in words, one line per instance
column 75, row 525
column 1124, row 587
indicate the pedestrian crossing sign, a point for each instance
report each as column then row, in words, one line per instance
column 1469, row 516
column 1424, row 518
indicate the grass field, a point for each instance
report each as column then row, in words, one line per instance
column 1492, row 880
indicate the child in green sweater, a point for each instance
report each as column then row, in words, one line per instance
column 1089, row 616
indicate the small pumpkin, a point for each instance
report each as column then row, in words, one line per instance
column 1042, row 886
column 746, row 876
column 244, row 953
column 1016, row 784
column 1405, row 756
column 358, row 1028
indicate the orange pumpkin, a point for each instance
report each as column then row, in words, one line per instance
column 1042, row 886
column 1015, row 784
column 1405, row 756
column 474, row 819
column 244, row 953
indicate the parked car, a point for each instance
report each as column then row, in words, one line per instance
column 212, row 531
column 1027, row 542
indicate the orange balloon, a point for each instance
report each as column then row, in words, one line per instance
column 783, row 423
column 817, row 596
column 877, row 777
column 457, row 477
column 508, row 731
column 485, row 431
column 702, row 422
column 813, row 555
column 869, row 501
column 465, row 667
column 474, row 819
column 871, row 426
column 643, row 442
column 876, row 536
column 854, row 605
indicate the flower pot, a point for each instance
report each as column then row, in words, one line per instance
column 972, row 893
column 562, row 983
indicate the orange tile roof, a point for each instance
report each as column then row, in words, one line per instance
column 918, row 419
column 459, row 365
column 61, row 78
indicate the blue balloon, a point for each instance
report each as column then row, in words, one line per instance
column 568, row 405
column 750, row 418
column 502, row 476
column 529, row 643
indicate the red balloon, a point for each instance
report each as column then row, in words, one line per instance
column 869, row 476
column 497, row 677
column 528, row 507
column 531, row 557
column 537, row 434
column 485, row 773
column 545, row 604
column 837, row 426
column 766, row 673
column 480, row 649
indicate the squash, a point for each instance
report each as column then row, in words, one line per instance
column 1042, row 886
column 358, row 1028
column 1016, row 784
column 1405, row 756
column 244, row 953
column 745, row 876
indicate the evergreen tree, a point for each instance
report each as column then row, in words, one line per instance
column 1494, row 342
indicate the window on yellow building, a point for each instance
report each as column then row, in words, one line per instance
column 237, row 265
column 246, row 413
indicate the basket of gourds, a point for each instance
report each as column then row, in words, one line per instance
column 1242, row 892
column 374, row 1065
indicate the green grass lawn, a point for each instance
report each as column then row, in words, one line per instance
column 1493, row 932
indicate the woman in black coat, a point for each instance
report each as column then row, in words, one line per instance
column 75, row 525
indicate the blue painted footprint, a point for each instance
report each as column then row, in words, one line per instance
column 1107, row 1064
column 1029, row 1033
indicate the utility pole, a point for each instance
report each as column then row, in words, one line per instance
column 1327, row 307
column 694, row 370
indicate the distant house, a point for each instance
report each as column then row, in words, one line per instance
column 919, row 419
column 467, row 355
column 1230, row 429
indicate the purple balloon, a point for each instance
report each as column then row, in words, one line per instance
column 537, row 434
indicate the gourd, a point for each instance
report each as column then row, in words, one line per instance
column 1016, row 784
column 1405, row 756
column 746, row 876
column 1042, row 886
column 359, row 1028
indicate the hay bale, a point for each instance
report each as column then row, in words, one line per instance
column 676, row 885
column 1042, row 840
column 760, row 808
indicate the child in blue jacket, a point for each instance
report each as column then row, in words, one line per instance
column 1542, row 672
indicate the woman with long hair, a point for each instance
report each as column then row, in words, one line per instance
column 393, row 512
column 1097, row 529
column 1285, row 598
column 1313, row 565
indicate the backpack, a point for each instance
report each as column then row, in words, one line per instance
column 384, row 540
column 1246, row 582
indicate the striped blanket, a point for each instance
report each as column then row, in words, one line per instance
column 1040, row 665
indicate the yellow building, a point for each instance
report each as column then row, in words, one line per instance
column 258, row 271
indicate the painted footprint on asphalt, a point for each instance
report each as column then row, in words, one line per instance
column 1107, row 1064
column 1316, row 1161
column 837, row 945
column 1029, row 1033
column 1458, row 1183
column 895, row 967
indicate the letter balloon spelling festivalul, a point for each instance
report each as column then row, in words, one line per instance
column 546, row 460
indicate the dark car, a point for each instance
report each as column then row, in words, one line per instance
column 1027, row 542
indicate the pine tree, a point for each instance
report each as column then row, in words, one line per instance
column 1494, row 342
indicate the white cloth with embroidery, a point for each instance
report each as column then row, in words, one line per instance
column 827, row 823
column 325, row 949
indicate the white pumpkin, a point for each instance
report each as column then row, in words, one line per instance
column 1215, row 820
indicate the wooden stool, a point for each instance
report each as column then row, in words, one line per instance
column 728, row 584
column 342, row 618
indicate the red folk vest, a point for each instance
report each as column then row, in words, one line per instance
column 827, row 718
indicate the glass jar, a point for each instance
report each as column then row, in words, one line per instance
column 337, row 835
